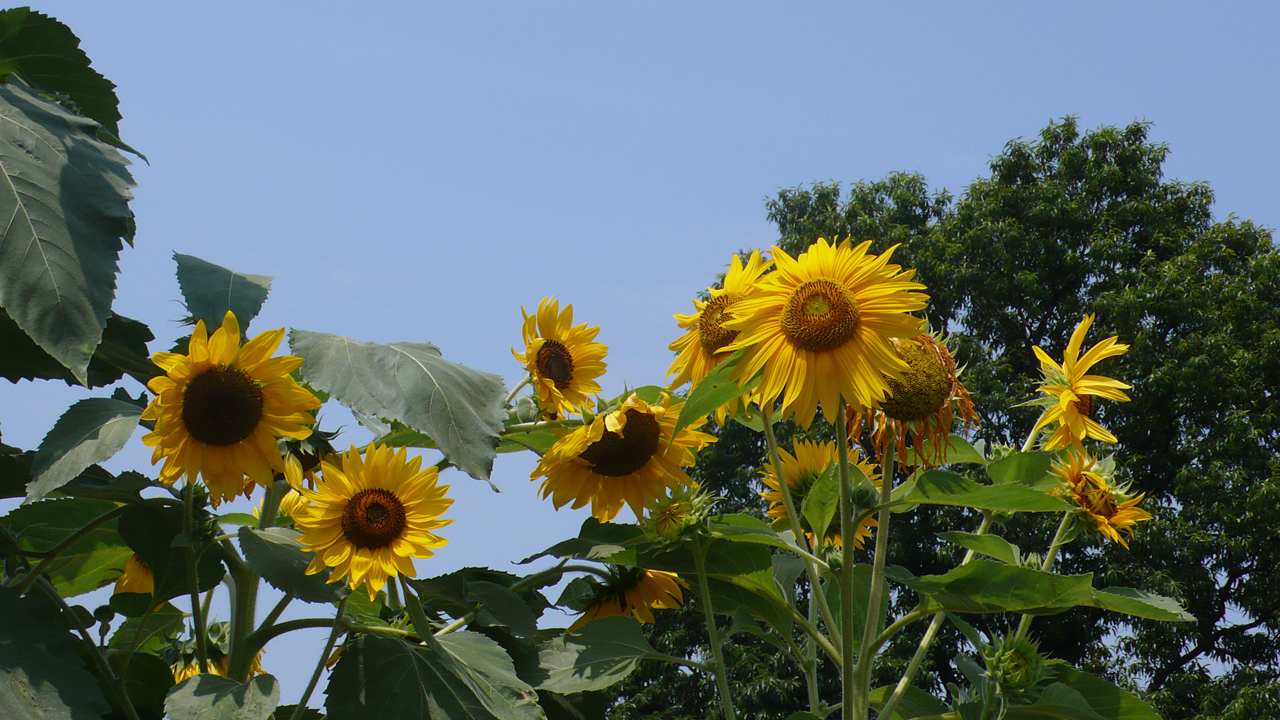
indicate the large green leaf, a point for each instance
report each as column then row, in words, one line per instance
column 602, row 652
column 1140, row 603
column 596, row 541
column 89, row 432
column 460, row 408
column 992, row 546
column 211, row 290
column 914, row 703
column 1108, row 700
column 147, row 681
column 282, row 561
column 15, row 473
column 123, row 348
column 212, row 697
column 462, row 676
column 151, row 529
column 99, row 484
column 67, row 201
column 1058, row 701
column 400, row 435
column 151, row 633
column 822, row 501
column 90, row 562
column 716, row 389
column 958, row 451
column 940, row 487
column 47, row 54
column 42, row 675
column 1024, row 468
column 983, row 586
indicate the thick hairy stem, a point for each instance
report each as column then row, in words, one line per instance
column 811, row 654
column 848, row 531
column 511, row 395
column 713, row 632
column 1063, row 527
column 324, row 658
column 872, row 629
column 193, row 564
column 244, row 601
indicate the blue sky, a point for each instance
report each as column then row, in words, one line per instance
column 418, row 171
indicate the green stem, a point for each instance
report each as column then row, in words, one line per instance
column 379, row 630
column 811, row 655
column 259, row 638
column 271, row 504
column 416, row 614
column 1063, row 527
column 831, row 650
column 244, row 600
column 913, row 666
column 511, row 395
column 872, row 629
column 193, row 564
column 324, row 658
column 847, row 533
column 713, row 632
column 276, row 611
column 562, row 568
column 538, row 425
column 1031, row 437
column 53, row 553
column 793, row 517
column 393, row 597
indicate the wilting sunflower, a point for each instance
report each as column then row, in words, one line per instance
column 921, row 403
column 701, row 349
column 1110, row 508
column 802, row 470
column 633, row 592
column 820, row 325
column 219, row 409
column 623, row 456
column 1074, row 390
column 136, row 578
column 368, row 518
column 562, row 360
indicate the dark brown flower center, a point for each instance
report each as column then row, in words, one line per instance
column 555, row 363
column 616, row 455
column 711, row 332
column 1084, row 405
column 820, row 315
column 221, row 406
column 924, row 388
column 373, row 518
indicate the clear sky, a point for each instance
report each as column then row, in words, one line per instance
column 418, row 171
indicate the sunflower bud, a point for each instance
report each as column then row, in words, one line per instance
column 526, row 409
column 667, row 518
column 1015, row 664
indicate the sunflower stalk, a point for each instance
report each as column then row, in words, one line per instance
column 872, row 629
column 338, row 626
column 197, row 609
column 847, row 532
column 713, row 632
column 512, row 395
column 811, row 655
column 1059, row 539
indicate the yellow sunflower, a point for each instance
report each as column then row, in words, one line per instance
column 562, row 360
column 700, row 349
column 920, row 404
column 1109, row 508
column 801, row 470
column 1075, row 390
column 368, row 518
column 626, row 455
column 136, row 578
column 820, row 325
column 219, row 409
column 634, row 592
column 189, row 666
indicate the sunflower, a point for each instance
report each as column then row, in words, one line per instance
column 291, row 503
column 633, row 592
column 809, row 463
column 562, row 360
column 819, row 327
column 667, row 517
column 626, row 455
column 219, row 409
column 1110, row 508
column 189, row 666
column 1074, row 390
column 368, row 518
column 700, row 349
column 921, row 403
column 136, row 578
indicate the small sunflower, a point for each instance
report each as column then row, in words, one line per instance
column 809, row 463
column 820, row 325
column 368, row 518
column 1110, row 508
column 626, row 455
column 921, row 403
column 562, row 360
column 700, row 349
column 1075, row 390
column 219, row 409
column 634, row 592
column 189, row 666
column 136, row 578
column 667, row 517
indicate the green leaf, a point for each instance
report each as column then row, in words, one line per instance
column 67, row 199
column 238, row 518
column 716, row 389
column 15, row 473
column 1141, row 604
column 462, row 676
column 150, row 528
column 1108, row 700
column 99, row 484
column 990, row 545
column 212, row 697
column 959, row 451
column 595, row 541
column 401, row 435
column 42, row 675
column 47, row 54
column 285, row 712
column 821, row 502
column 914, row 703
column 504, row 607
column 1057, row 701
column 1023, row 468
column 94, row 560
column 599, row 654
column 211, row 290
column 89, row 432
column 147, row 681
column 940, row 487
column 861, row 594
column 460, row 408
column 281, row 560
column 756, row 593
column 151, row 633
column 123, row 347
column 986, row 587
column 578, row 706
